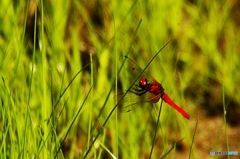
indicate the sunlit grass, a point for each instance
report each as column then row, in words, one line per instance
column 57, row 103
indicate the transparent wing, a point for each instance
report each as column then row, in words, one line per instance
column 134, row 74
column 131, row 102
column 133, row 70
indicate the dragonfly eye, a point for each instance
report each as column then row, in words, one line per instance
column 143, row 83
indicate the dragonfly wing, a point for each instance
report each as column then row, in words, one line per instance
column 133, row 106
column 132, row 101
column 134, row 71
column 136, row 96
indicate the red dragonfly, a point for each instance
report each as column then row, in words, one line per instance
column 148, row 89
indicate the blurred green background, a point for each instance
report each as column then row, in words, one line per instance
column 55, row 103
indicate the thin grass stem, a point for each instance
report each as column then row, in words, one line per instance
column 155, row 133
column 224, row 118
column 194, row 134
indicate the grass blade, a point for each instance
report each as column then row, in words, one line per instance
column 191, row 147
column 165, row 155
column 105, row 122
column 153, row 142
column 61, row 95
column 224, row 118
column 74, row 119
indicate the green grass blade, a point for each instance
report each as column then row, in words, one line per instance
column 155, row 133
column 191, row 147
column 224, row 118
column 64, row 91
column 106, row 120
column 74, row 119
column 165, row 155
column 30, row 89
column 90, row 105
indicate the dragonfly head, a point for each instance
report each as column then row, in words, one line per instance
column 143, row 83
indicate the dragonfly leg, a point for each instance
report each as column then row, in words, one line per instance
column 138, row 91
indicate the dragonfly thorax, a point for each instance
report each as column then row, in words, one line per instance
column 154, row 88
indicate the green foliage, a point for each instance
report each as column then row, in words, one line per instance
column 62, row 68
